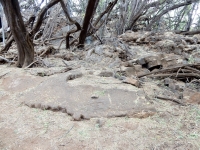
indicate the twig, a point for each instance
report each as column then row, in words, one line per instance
column 99, row 39
column 193, row 69
column 48, row 49
column 65, row 63
column 60, row 44
column 178, row 71
column 44, row 52
column 69, row 130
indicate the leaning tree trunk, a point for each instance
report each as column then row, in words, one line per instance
column 88, row 15
column 21, row 36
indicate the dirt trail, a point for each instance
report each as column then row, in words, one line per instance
column 21, row 127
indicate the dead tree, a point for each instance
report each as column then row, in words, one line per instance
column 157, row 17
column 41, row 15
column 78, row 27
column 137, row 10
column 24, row 43
column 88, row 15
column 189, row 15
column 36, row 27
column 99, row 21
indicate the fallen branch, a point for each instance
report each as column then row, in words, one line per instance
column 179, row 75
column 193, row 69
column 172, row 69
column 170, row 99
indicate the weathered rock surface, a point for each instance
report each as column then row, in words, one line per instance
column 54, row 93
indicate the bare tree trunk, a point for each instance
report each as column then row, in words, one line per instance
column 18, row 29
column 41, row 16
column 88, row 15
column 78, row 27
column 180, row 17
column 100, row 21
column 37, row 26
column 137, row 8
column 123, row 5
column 156, row 18
column 2, row 24
column 190, row 14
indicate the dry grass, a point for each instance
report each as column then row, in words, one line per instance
column 22, row 128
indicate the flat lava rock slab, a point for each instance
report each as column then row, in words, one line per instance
column 79, row 101
column 19, row 83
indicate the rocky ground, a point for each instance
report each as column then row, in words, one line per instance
column 137, row 91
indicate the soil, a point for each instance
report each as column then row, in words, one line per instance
column 76, row 99
column 22, row 127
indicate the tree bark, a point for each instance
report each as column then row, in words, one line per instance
column 86, row 22
column 24, row 43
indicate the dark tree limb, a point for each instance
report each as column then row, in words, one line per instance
column 41, row 16
column 88, row 15
column 10, row 38
column 32, row 19
column 78, row 27
column 8, row 45
column 109, row 7
column 94, row 27
column 24, row 43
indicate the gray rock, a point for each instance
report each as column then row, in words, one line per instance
column 141, row 61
